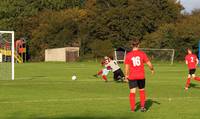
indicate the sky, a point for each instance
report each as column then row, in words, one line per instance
column 190, row 5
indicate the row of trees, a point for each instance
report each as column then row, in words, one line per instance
column 98, row 26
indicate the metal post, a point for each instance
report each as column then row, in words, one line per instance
column 173, row 53
column 13, row 59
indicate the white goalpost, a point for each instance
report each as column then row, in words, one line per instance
column 7, row 52
column 160, row 55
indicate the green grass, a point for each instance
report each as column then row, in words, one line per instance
column 46, row 91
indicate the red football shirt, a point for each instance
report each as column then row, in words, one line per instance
column 192, row 61
column 136, row 59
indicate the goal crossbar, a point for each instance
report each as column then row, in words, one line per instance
column 155, row 49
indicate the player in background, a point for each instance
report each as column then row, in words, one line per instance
column 192, row 61
column 104, row 72
column 135, row 73
column 118, row 73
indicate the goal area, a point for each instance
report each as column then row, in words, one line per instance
column 155, row 55
column 7, row 55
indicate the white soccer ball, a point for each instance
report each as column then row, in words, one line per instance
column 74, row 77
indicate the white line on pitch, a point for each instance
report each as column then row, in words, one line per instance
column 98, row 99
column 49, row 82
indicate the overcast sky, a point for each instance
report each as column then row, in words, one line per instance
column 190, row 5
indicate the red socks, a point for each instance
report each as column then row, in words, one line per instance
column 142, row 98
column 104, row 77
column 100, row 72
column 132, row 101
column 197, row 78
column 187, row 83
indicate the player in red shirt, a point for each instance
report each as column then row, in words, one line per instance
column 192, row 61
column 135, row 73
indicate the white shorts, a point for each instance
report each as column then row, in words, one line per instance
column 105, row 71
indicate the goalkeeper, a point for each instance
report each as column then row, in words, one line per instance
column 118, row 73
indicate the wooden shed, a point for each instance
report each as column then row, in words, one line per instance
column 66, row 54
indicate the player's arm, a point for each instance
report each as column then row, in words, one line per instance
column 150, row 66
column 186, row 62
column 197, row 61
column 146, row 59
column 127, row 69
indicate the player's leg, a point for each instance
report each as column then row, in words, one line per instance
column 104, row 78
column 194, row 76
column 122, row 75
column 119, row 75
column 188, row 81
column 104, row 74
column 98, row 74
column 132, row 87
column 141, row 86
column 115, row 76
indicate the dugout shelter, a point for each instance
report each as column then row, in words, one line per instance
column 65, row 54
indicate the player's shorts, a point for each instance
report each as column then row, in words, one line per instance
column 137, row 83
column 105, row 72
column 118, row 75
column 192, row 71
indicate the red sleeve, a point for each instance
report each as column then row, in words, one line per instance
column 186, row 58
column 127, row 60
column 145, row 58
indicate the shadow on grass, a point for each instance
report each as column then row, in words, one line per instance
column 193, row 85
column 148, row 104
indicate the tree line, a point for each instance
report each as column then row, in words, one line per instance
column 99, row 26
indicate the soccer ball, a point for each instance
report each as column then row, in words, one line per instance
column 74, row 77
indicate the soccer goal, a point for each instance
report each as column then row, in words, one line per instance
column 155, row 55
column 160, row 55
column 119, row 54
column 7, row 55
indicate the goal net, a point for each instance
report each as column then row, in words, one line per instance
column 155, row 55
column 6, row 55
column 119, row 54
column 160, row 55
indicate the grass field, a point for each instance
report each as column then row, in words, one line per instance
column 46, row 91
